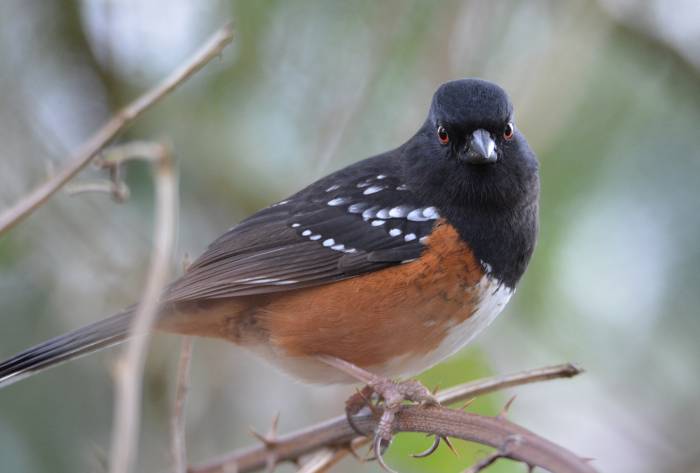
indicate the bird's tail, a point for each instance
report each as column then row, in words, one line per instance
column 66, row 347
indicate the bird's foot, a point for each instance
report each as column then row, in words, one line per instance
column 384, row 398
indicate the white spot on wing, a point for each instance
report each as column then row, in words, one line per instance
column 370, row 212
column 400, row 211
column 357, row 208
column 395, row 232
column 296, row 225
column 381, row 176
column 244, row 280
column 402, row 187
column 306, row 233
column 383, row 213
column 339, row 247
column 315, row 237
column 410, row 237
column 373, row 190
column 376, row 223
column 332, row 188
column 431, row 213
column 338, row 201
column 265, row 280
column 418, row 215
column 329, row 242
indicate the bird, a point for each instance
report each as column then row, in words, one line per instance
column 378, row 270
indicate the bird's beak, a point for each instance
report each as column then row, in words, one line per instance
column 481, row 148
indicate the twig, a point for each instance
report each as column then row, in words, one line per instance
column 118, row 190
column 466, row 391
column 486, row 462
column 129, row 368
column 177, row 427
column 337, row 432
column 322, row 461
column 12, row 216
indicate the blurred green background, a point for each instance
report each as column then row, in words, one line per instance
column 607, row 93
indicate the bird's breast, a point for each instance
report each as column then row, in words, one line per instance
column 396, row 321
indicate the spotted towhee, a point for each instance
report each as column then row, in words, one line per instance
column 389, row 265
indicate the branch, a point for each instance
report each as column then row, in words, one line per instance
column 177, row 427
column 129, row 369
column 513, row 441
column 480, row 387
column 12, row 216
column 322, row 461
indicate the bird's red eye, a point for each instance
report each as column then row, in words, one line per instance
column 508, row 131
column 442, row 135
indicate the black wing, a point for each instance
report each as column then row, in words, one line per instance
column 357, row 220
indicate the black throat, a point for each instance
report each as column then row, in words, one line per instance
column 494, row 209
column 502, row 240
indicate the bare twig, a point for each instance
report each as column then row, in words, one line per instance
column 322, row 461
column 467, row 391
column 12, row 216
column 337, row 432
column 177, row 427
column 129, row 368
column 118, row 190
column 484, row 463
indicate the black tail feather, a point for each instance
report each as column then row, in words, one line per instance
column 66, row 347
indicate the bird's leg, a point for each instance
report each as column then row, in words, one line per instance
column 390, row 393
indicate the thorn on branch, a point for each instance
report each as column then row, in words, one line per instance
column 503, row 452
column 504, row 412
column 448, row 442
column 468, row 403
column 433, row 448
column 269, row 439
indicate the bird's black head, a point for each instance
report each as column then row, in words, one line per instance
column 469, row 149
column 471, row 162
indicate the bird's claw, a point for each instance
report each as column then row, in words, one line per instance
column 391, row 395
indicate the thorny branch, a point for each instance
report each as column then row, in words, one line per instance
column 336, row 434
column 12, row 216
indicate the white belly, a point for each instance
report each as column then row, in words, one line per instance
column 493, row 296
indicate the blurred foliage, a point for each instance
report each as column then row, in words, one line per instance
column 607, row 93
